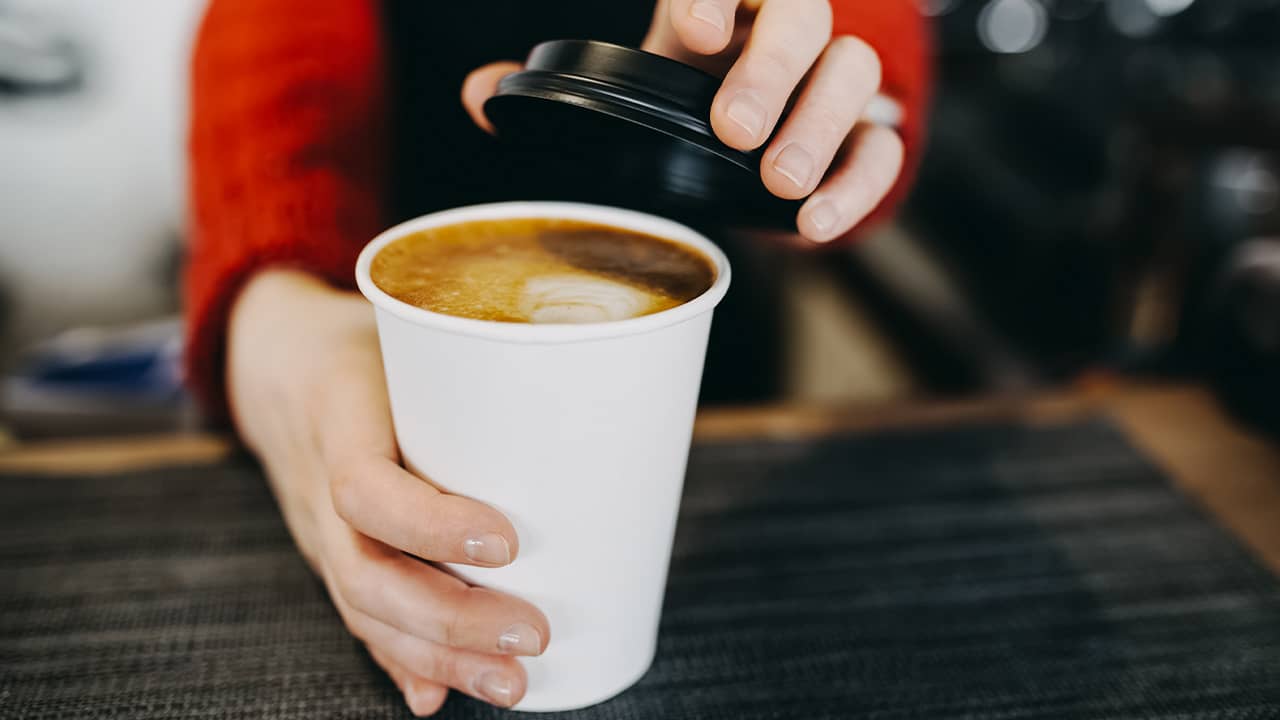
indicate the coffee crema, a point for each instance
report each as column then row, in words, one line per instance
column 540, row 270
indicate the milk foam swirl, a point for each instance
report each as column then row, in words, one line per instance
column 580, row 299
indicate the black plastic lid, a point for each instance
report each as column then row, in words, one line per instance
column 630, row 128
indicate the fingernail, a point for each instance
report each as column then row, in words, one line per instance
column 796, row 164
column 824, row 217
column 709, row 13
column 489, row 548
column 747, row 110
column 520, row 639
column 495, row 688
column 415, row 705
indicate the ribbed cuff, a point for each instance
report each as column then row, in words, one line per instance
column 211, row 301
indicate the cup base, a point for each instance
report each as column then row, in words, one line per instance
column 539, row 705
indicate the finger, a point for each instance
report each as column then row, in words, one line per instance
column 384, row 501
column 423, row 696
column 492, row 678
column 839, row 89
column 379, row 498
column 372, row 492
column 787, row 38
column 704, row 26
column 430, row 604
column 865, row 173
column 398, row 675
column 480, row 85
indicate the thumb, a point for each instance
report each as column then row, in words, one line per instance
column 480, row 85
column 704, row 27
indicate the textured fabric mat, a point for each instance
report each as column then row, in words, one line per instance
column 986, row 572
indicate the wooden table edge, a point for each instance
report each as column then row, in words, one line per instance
column 1230, row 471
column 115, row 455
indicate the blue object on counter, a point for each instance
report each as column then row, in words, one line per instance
column 140, row 363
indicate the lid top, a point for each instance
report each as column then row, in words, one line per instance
column 637, row 127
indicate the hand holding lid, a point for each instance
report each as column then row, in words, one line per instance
column 791, row 111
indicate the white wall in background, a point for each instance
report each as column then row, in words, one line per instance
column 92, row 182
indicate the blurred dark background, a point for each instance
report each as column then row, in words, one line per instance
column 1101, row 195
column 1102, row 191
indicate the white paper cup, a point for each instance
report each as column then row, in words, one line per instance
column 578, row 433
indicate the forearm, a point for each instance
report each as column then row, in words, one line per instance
column 286, row 156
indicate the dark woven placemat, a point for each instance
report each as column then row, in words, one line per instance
column 986, row 572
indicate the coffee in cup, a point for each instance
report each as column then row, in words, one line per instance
column 540, row 270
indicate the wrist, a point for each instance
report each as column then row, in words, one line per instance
column 286, row 325
column 275, row 289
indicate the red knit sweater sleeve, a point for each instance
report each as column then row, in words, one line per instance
column 899, row 33
column 287, row 144
column 286, row 153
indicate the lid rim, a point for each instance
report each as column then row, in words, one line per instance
column 561, row 87
column 553, row 51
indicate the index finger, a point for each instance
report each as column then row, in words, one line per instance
column 704, row 26
column 384, row 501
column 788, row 36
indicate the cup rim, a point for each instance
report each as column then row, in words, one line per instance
column 547, row 333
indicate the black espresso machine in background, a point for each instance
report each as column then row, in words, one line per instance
column 1103, row 184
